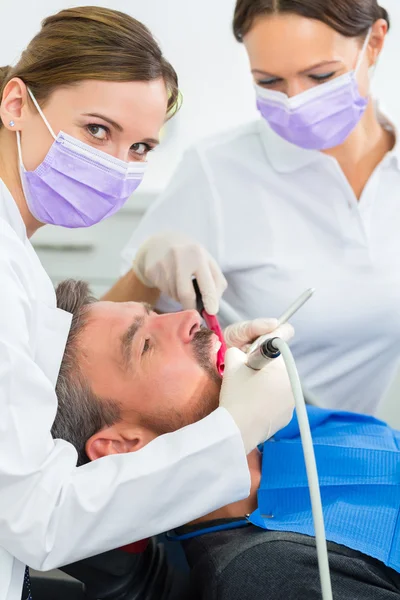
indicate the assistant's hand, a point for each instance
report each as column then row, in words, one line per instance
column 168, row 261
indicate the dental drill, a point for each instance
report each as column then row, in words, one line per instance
column 230, row 315
column 263, row 350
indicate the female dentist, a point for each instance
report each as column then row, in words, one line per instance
column 79, row 112
column 307, row 196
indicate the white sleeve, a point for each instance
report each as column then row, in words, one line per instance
column 53, row 513
column 188, row 205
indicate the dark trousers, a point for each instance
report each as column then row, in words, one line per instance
column 253, row 564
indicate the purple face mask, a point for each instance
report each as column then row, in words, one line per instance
column 77, row 185
column 319, row 118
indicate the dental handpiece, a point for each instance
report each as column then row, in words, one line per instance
column 263, row 350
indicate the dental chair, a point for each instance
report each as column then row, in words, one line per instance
column 159, row 572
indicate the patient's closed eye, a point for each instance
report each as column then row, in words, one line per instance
column 146, row 346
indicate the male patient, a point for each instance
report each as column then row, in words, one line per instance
column 130, row 375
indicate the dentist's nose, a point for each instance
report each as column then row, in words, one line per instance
column 294, row 87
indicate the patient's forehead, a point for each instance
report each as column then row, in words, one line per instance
column 107, row 322
column 115, row 311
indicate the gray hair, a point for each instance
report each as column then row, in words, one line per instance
column 80, row 412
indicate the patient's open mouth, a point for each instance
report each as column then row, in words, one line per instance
column 216, row 347
column 207, row 347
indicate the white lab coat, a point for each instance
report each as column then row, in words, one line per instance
column 278, row 220
column 52, row 513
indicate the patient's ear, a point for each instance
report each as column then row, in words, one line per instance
column 117, row 440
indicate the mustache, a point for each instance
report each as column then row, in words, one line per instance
column 202, row 344
column 202, row 339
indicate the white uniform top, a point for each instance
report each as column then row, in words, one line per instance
column 52, row 513
column 279, row 219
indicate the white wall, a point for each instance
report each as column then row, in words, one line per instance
column 214, row 78
column 386, row 82
column 212, row 66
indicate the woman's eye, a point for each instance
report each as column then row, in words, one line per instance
column 146, row 346
column 141, row 148
column 322, row 77
column 100, row 132
column 269, row 81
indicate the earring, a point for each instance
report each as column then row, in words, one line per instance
column 11, row 123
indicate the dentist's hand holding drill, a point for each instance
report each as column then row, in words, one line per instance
column 260, row 402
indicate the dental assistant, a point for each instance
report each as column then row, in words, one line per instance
column 307, row 196
column 79, row 113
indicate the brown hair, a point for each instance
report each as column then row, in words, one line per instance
column 351, row 18
column 80, row 413
column 90, row 42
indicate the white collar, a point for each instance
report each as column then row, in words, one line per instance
column 286, row 157
column 11, row 211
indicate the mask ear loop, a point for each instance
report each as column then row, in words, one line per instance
column 19, row 150
column 363, row 50
column 35, row 102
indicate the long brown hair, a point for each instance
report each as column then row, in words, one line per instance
column 351, row 18
column 90, row 42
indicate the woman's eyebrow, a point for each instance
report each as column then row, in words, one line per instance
column 320, row 64
column 323, row 63
column 264, row 73
column 104, row 118
column 118, row 127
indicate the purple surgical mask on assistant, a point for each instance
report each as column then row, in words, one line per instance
column 319, row 118
column 77, row 185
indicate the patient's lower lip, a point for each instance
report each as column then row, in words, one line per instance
column 220, row 364
column 218, row 359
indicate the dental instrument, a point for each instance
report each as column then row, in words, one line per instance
column 258, row 354
column 262, row 351
column 212, row 324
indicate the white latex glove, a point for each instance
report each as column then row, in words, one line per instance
column 241, row 335
column 260, row 402
column 168, row 261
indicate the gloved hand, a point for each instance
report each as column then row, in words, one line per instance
column 241, row 335
column 168, row 261
column 260, row 402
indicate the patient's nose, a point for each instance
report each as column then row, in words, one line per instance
column 182, row 324
column 189, row 325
